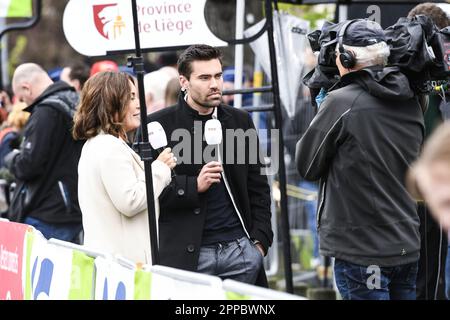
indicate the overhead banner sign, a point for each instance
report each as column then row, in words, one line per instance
column 97, row 26
column 16, row 8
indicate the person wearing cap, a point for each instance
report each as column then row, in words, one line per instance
column 367, row 132
column 103, row 65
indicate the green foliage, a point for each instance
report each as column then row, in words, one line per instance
column 313, row 14
column 16, row 53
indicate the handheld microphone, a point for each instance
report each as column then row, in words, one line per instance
column 213, row 134
column 156, row 135
column 157, row 138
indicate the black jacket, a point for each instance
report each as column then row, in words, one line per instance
column 360, row 145
column 48, row 158
column 182, row 208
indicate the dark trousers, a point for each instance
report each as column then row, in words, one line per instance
column 433, row 254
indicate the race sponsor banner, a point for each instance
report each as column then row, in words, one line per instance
column 82, row 277
column 58, row 273
column 13, row 242
column 113, row 281
column 235, row 290
column 107, row 25
column 174, row 284
column 15, row 8
column 142, row 284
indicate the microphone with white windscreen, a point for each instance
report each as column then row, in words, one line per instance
column 156, row 135
column 157, row 138
column 213, row 133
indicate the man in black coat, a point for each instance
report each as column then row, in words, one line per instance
column 45, row 167
column 215, row 214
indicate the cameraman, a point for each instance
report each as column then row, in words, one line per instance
column 367, row 132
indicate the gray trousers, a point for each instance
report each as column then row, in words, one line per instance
column 238, row 260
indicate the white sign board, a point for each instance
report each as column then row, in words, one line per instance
column 97, row 26
column 113, row 281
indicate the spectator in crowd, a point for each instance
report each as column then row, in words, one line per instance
column 103, row 65
column 429, row 180
column 429, row 176
column 111, row 186
column 55, row 73
column 75, row 75
column 155, row 84
column 173, row 90
column 366, row 219
column 433, row 249
column 219, row 212
column 45, row 166
column 11, row 134
column 228, row 84
column 5, row 101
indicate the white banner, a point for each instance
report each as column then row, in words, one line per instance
column 51, row 270
column 174, row 284
column 113, row 281
column 97, row 26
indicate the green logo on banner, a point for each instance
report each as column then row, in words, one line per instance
column 82, row 277
column 236, row 296
column 142, row 285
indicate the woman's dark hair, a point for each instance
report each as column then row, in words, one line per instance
column 103, row 105
column 198, row 52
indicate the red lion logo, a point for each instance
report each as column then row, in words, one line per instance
column 103, row 17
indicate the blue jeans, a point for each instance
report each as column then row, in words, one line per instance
column 311, row 211
column 238, row 260
column 63, row 231
column 357, row 282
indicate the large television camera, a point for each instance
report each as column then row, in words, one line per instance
column 418, row 48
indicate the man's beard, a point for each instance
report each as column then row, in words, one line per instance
column 213, row 102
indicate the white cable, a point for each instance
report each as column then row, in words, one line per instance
column 439, row 262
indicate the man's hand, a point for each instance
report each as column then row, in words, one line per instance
column 260, row 248
column 209, row 174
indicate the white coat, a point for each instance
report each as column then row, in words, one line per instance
column 112, row 197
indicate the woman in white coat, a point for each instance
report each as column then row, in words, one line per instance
column 111, row 180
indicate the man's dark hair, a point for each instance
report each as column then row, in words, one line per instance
column 79, row 71
column 433, row 11
column 196, row 52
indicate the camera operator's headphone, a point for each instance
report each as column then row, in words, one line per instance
column 347, row 57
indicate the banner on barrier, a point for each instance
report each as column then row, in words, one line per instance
column 12, row 250
column 113, row 281
column 175, row 284
column 58, row 273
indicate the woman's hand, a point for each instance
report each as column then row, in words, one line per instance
column 167, row 157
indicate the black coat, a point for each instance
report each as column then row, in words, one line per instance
column 182, row 208
column 360, row 145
